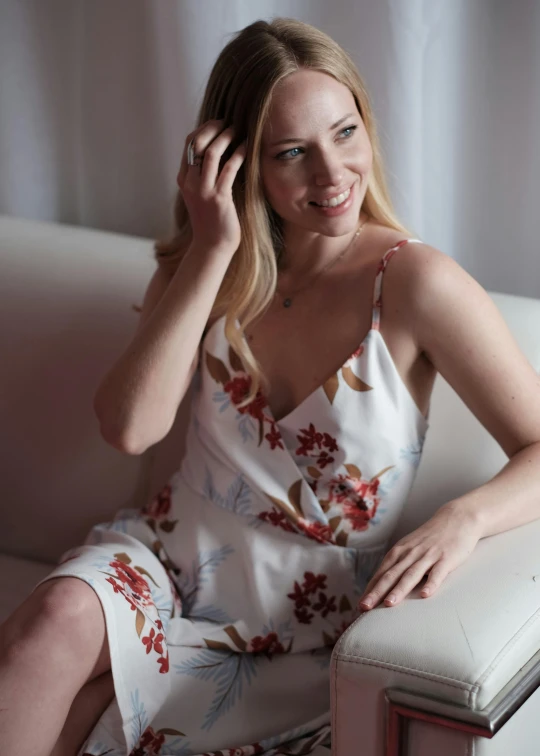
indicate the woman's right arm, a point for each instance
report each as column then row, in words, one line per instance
column 137, row 401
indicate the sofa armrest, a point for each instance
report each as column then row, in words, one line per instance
column 461, row 646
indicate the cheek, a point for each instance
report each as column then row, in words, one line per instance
column 280, row 187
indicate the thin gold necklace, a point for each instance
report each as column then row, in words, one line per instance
column 287, row 301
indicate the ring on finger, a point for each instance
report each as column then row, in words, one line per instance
column 192, row 158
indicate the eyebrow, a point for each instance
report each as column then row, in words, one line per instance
column 290, row 140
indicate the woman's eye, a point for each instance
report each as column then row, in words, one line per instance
column 289, row 154
column 350, row 129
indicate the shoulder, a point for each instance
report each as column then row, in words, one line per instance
column 430, row 287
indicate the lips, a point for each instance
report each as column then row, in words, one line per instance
column 331, row 197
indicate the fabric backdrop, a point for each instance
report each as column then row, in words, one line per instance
column 96, row 98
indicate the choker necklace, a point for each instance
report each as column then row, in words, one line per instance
column 287, row 301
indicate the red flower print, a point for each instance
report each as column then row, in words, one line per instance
column 358, row 498
column 278, row 519
column 357, row 353
column 149, row 744
column 299, row 597
column 316, row 530
column 160, row 505
column 316, row 445
column 274, row 438
column 309, row 438
column 163, row 662
column 325, row 605
column 302, row 601
column 303, row 616
column 269, row 645
column 313, row 583
column 117, row 588
column 134, row 587
column 153, row 642
column 238, row 388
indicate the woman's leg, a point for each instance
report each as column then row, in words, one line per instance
column 53, row 645
column 88, row 706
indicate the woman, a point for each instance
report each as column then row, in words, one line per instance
column 211, row 616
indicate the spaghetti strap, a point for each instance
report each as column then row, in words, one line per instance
column 377, row 290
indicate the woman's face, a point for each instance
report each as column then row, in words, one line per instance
column 315, row 148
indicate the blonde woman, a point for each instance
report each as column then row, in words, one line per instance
column 204, row 625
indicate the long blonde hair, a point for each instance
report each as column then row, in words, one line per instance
column 239, row 91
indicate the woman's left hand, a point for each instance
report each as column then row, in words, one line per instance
column 436, row 548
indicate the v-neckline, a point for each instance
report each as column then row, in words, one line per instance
column 306, row 398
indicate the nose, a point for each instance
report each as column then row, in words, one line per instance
column 327, row 169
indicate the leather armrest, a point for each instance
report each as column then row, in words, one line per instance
column 461, row 646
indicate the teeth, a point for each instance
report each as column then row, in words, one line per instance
column 335, row 201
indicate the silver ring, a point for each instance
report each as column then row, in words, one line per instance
column 192, row 158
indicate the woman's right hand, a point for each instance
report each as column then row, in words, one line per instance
column 207, row 190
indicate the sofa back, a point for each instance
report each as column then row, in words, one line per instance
column 66, row 313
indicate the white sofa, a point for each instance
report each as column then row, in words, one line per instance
column 429, row 676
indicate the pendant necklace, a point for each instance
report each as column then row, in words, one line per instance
column 287, row 301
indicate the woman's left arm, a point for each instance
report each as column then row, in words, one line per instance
column 459, row 329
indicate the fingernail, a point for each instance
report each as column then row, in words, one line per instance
column 390, row 599
column 366, row 602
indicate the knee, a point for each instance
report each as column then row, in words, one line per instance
column 63, row 610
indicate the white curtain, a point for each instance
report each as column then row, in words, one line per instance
column 96, row 97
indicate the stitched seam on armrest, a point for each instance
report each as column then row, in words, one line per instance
column 449, row 681
column 506, row 650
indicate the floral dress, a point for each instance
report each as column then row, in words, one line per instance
column 224, row 597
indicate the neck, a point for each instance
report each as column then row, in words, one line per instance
column 306, row 252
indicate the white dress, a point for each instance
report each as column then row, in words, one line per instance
column 223, row 598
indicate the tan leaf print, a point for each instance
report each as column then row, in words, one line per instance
column 327, row 639
column 353, row 381
column 168, row 525
column 170, row 731
column 123, row 557
column 334, row 523
column 235, row 636
column 217, row 369
column 285, row 508
column 295, row 493
column 344, row 604
column 313, row 472
column 353, row 471
column 142, row 571
column 330, row 387
column 325, row 504
column 236, row 362
column 217, row 645
column 382, row 472
column 139, row 622
column 341, row 538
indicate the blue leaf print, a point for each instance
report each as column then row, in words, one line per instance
column 140, row 718
column 202, row 569
column 246, row 426
column 230, row 672
column 237, row 498
column 223, row 398
column 411, row 454
column 210, row 613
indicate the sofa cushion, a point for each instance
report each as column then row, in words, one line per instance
column 18, row 577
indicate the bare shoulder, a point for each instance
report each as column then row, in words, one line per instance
column 457, row 326
column 422, row 282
